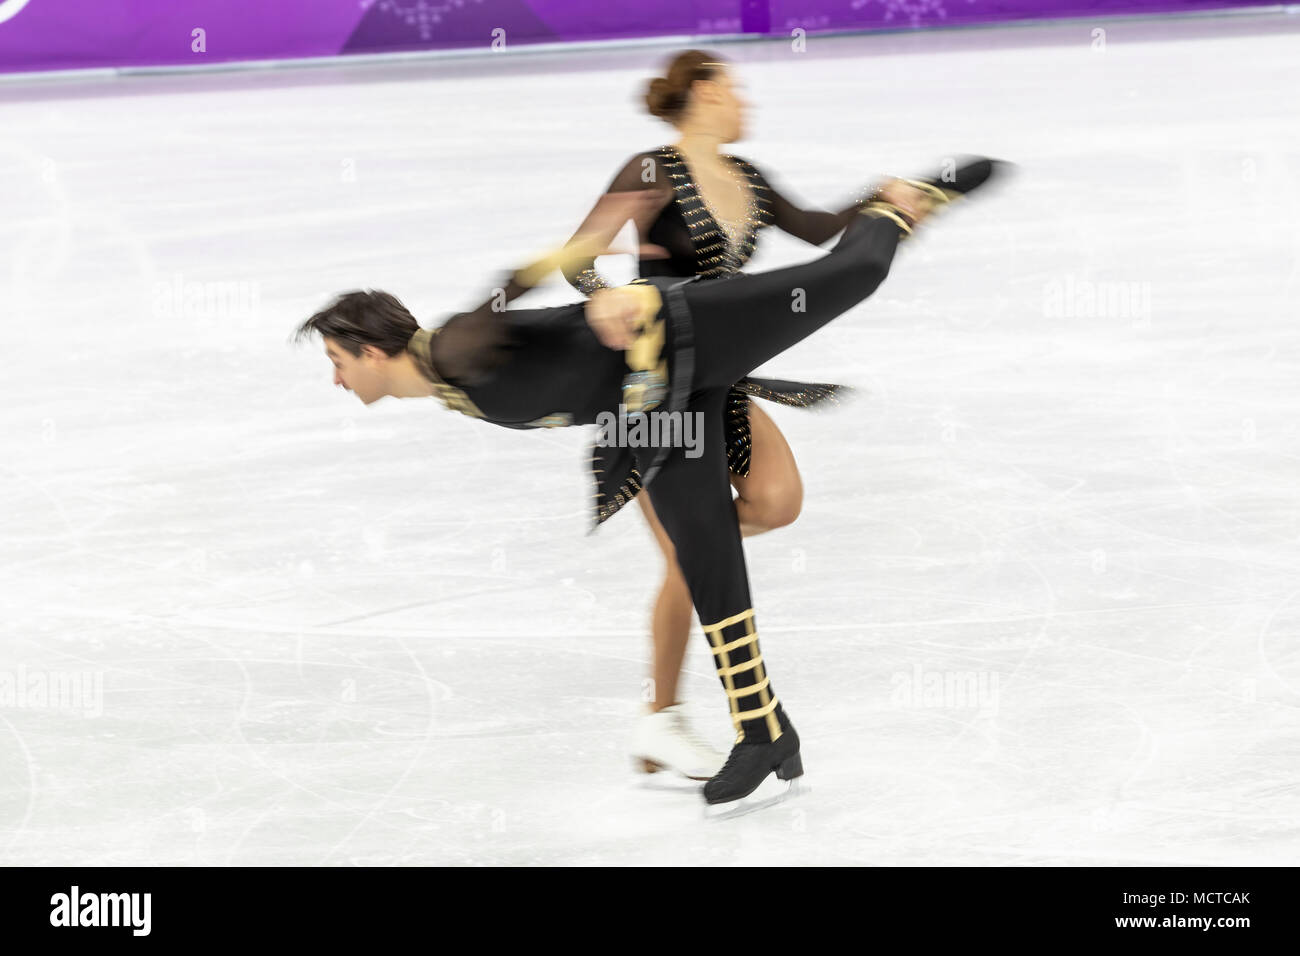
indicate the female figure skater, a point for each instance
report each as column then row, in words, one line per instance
column 669, row 347
column 715, row 205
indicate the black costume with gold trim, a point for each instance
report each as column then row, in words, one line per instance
column 698, row 244
column 526, row 368
column 533, row 367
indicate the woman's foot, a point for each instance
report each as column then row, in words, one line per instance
column 664, row 740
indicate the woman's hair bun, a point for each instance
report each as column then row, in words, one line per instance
column 666, row 95
column 662, row 100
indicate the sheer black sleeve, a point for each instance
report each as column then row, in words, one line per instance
column 639, row 172
column 471, row 344
column 810, row 225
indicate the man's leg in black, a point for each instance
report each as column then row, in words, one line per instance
column 692, row 498
column 742, row 321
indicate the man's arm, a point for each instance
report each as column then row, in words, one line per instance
column 472, row 343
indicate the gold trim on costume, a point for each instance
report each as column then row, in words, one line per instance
column 646, row 350
column 767, row 710
column 737, row 643
column 455, row 399
column 554, row 420
column 717, row 250
column 729, row 685
column 740, row 668
column 937, row 193
column 727, row 622
column 628, row 490
column 878, row 209
column 645, row 356
column 752, row 689
column 589, row 281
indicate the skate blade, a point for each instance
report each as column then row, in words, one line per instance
column 770, row 793
column 653, row 775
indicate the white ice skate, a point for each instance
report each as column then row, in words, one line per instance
column 665, row 741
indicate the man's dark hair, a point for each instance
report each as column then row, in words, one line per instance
column 356, row 319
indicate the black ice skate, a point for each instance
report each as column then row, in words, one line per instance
column 965, row 178
column 750, row 763
column 941, row 189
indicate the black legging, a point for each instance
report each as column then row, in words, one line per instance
column 739, row 323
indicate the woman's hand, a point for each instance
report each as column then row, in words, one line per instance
column 914, row 203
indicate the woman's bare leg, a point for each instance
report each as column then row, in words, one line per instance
column 771, row 495
column 670, row 627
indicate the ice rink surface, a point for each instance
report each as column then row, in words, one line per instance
column 1043, row 601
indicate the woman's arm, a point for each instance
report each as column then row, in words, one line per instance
column 810, row 225
column 639, row 174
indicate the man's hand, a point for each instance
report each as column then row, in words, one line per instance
column 612, row 315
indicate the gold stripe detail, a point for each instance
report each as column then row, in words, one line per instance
column 727, row 670
column 768, row 711
column 937, row 194
column 728, row 621
column 880, row 210
column 730, row 686
column 751, row 689
column 748, row 665
column 737, row 643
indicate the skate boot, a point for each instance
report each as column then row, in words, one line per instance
column 966, row 178
column 665, row 741
column 750, row 763
column 935, row 192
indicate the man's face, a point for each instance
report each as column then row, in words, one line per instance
column 363, row 374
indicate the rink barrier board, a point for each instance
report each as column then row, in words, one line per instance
column 111, row 37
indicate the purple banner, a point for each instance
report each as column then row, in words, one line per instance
column 78, row 34
column 900, row 14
